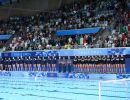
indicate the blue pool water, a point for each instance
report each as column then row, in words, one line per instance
column 14, row 88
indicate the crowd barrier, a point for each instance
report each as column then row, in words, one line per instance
column 71, row 52
column 65, row 75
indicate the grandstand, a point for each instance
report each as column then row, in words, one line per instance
column 83, row 45
column 40, row 28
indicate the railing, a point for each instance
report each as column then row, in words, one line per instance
column 60, row 47
column 88, row 46
column 70, row 52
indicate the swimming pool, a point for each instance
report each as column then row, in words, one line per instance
column 23, row 88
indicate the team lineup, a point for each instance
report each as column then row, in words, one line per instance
column 77, row 64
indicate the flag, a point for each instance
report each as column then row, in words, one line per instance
column 123, row 30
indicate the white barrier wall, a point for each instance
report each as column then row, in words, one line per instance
column 63, row 75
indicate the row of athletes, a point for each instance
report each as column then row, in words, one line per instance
column 100, row 64
column 87, row 64
column 36, row 63
column 28, row 63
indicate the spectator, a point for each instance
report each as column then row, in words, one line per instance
column 37, row 31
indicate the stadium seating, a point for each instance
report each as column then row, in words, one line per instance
column 38, row 32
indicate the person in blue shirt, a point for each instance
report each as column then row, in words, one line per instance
column 69, row 62
column 75, row 63
column 34, row 64
column 48, row 63
column 112, row 64
column 25, row 64
column 17, row 63
column 78, row 64
column 104, row 64
column 60, row 64
column 43, row 63
column 82, row 64
column 13, row 64
column 1, row 64
column 122, row 64
column 117, row 64
column 39, row 63
column 9, row 64
column 29, row 63
column 87, row 65
column 101, row 63
column 54, row 61
column 64, row 64
column 108, row 64
column 4, row 63
column 21, row 63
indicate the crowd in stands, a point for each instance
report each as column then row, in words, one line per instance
column 38, row 32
